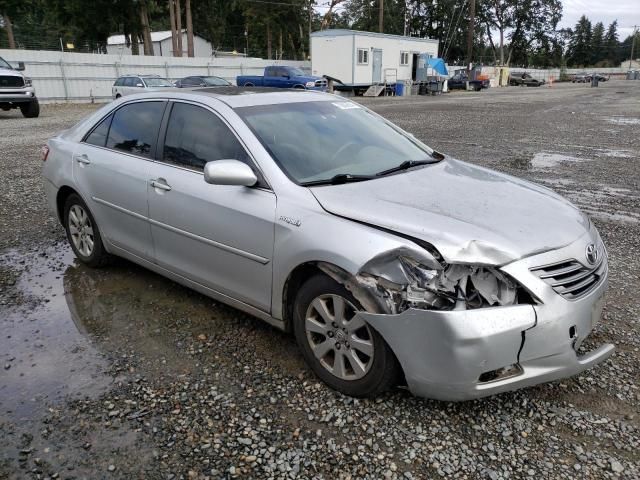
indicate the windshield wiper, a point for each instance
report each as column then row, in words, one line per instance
column 339, row 179
column 407, row 164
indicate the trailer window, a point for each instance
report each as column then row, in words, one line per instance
column 404, row 58
column 363, row 56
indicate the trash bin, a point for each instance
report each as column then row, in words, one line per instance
column 399, row 89
column 594, row 81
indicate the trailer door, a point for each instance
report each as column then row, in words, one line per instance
column 377, row 66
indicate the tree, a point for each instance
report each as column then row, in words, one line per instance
column 580, row 44
column 597, row 43
column 612, row 44
column 187, row 7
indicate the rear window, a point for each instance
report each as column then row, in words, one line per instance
column 134, row 128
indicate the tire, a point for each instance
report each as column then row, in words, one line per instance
column 298, row 87
column 118, row 96
column 31, row 109
column 248, row 84
column 375, row 373
column 86, row 242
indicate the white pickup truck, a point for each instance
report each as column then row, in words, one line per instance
column 16, row 90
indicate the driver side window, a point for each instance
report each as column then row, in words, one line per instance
column 196, row 136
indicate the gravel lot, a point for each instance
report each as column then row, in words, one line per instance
column 119, row 373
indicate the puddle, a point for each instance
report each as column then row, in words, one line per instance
column 623, row 120
column 44, row 356
column 78, row 331
column 615, row 153
column 550, row 160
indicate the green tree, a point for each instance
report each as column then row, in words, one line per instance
column 597, row 43
column 580, row 44
column 612, row 45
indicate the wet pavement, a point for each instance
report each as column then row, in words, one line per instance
column 120, row 373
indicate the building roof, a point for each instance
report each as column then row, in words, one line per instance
column 339, row 32
column 155, row 37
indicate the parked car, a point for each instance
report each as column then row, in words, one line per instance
column 283, row 77
column 459, row 81
column 581, row 78
column 386, row 259
column 202, row 81
column 16, row 90
column 130, row 84
column 524, row 80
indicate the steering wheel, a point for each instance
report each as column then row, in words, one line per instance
column 342, row 149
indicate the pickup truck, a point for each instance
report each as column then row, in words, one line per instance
column 524, row 80
column 459, row 81
column 16, row 90
column 282, row 77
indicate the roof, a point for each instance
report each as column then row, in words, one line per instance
column 241, row 96
column 339, row 32
column 155, row 37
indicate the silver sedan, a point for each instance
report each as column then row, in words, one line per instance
column 390, row 262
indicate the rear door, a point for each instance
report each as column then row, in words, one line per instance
column 111, row 168
column 219, row 236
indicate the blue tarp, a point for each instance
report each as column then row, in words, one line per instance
column 438, row 65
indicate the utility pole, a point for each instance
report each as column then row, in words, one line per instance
column 470, row 33
column 633, row 43
column 381, row 17
column 310, row 20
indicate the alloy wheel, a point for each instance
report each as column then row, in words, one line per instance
column 340, row 340
column 81, row 230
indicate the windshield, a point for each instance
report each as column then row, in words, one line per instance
column 315, row 141
column 215, row 81
column 157, row 82
column 4, row 64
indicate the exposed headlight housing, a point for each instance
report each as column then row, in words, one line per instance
column 27, row 82
column 457, row 287
column 310, row 84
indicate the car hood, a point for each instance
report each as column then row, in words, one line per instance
column 7, row 72
column 469, row 213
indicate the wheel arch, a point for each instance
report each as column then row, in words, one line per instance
column 61, row 197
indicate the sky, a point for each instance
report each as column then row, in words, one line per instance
column 627, row 12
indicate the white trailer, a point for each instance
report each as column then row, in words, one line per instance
column 361, row 59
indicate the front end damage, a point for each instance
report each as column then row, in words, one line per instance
column 467, row 331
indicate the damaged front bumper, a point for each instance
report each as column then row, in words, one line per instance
column 465, row 354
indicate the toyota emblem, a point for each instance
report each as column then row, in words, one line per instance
column 592, row 254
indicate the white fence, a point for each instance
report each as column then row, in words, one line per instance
column 546, row 74
column 87, row 77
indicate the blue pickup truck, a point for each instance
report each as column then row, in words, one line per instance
column 282, row 77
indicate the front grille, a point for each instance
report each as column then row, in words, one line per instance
column 572, row 279
column 321, row 83
column 11, row 82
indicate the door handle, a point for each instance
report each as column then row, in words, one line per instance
column 161, row 184
column 83, row 159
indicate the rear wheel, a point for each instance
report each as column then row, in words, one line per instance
column 31, row 109
column 83, row 233
column 340, row 347
column 248, row 84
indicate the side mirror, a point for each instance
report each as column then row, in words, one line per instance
column 20, row 66
column 229, row 172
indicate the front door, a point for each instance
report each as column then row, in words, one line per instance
column 376, row 65
column 111, row 169
column 219, row 236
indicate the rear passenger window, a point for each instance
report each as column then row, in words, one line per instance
column 196, row 136
column 134, row 128
column 99, row 135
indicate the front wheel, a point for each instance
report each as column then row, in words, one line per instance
column 340, row 347
column 83, row 233
column 31, row 109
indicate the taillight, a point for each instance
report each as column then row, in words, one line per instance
column 44, row 153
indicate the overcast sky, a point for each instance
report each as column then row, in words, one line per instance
column 627, row 12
